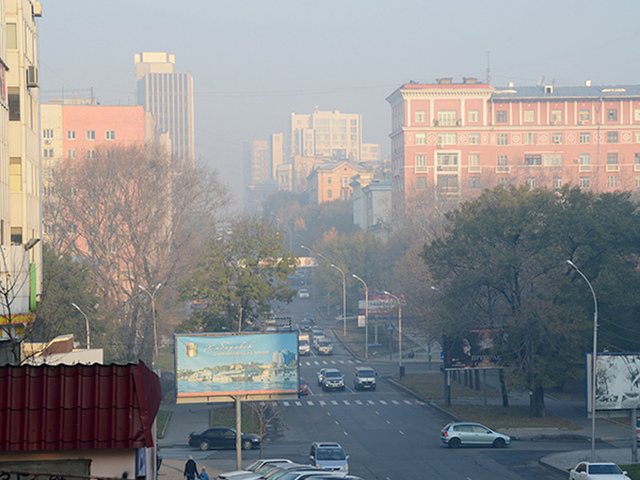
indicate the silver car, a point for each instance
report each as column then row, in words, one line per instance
column 457, row 434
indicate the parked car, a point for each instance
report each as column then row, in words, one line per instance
column 220, row 438
column 252, row 468
column 318, row 474
column 340, row 318
column 364, row 378
column 329, row 456
column 457, row 434
column 304, row 387
column 303, row 293
column 324, row 346
column 333, row 380
column 320, row 375
column 597, row 471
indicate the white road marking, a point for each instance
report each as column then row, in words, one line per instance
column 322, row 403
column 346, row 402
column 408, row 402
column 310, row 403
column 371, row 402
column 401, row 432
column 358, row 402
column 286, row 404
column 395, row 402
column 334, row 402
column 298, row 404
column 382, row 402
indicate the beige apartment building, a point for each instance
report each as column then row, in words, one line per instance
column 334, row 135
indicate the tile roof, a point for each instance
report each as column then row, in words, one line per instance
column 66, row 407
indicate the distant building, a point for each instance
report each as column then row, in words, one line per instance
column 453, row 140
column 332, row 181
column 370, row 153
column 333, row 135
column 168, row 95
column 261, row 159
column 372, row 205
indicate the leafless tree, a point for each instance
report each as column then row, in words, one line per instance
column 270, row 415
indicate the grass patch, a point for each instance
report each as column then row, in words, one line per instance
column 162, row 420
column 497, row 416
column 431, row 387
column 633, row 471
column 225, row 416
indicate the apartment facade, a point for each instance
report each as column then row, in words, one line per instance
column 453, row 140
column 332, row 181
column 168, row 95
column 331, row 134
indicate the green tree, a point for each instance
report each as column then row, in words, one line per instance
column 240, row 275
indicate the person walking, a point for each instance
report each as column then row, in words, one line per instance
column 191, row 469
column 203, row 474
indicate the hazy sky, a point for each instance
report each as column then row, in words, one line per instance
column 254, row 62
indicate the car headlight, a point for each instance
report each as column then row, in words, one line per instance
column 344, row 468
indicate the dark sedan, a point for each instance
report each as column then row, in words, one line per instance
column 218, row 438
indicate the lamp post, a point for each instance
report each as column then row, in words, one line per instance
column 366, row 316
column 344, row 300
column 86, row 320
column 152, row 296
column 593, row 368
column 400, row 367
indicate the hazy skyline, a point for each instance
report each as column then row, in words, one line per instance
column 256, row 62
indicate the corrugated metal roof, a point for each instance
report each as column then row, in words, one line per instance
column 559, row 92
column 66, row 407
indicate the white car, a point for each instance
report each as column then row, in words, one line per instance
column 303, row 293
column 597, row 471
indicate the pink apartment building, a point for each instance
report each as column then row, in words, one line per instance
column 453, row 140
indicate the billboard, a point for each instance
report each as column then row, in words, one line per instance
column 475, row 349
column 617, row 381
column 221, row 367
column 380, row 306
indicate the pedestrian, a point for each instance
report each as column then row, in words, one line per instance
column 203, row 474
column 190, row 469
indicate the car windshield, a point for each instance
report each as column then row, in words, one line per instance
column 333, row 375
column 366, row 373
column 330, row 454
column 604, row 470
column 324, row 343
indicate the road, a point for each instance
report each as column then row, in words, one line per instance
column 388, row 433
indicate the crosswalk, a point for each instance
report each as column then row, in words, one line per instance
column 349, row 403
column 325, row 362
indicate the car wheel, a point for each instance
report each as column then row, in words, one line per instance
column 204, row 445
column 454, row 442
column 499, row 443
column 373, row 388
column 247, row 445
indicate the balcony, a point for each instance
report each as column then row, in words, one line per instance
column 584, row 168
column 636, row 167
column 475, row 169
column 502, row 169
column 447, row 168
column 421, row 169
column 612, row 168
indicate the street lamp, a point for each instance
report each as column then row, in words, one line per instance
column 366, row 316
column 593, row 368
column 152, row 296
column 86, row 323
column 400, row 367
column 344, row 300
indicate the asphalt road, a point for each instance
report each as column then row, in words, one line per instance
column 388, row 434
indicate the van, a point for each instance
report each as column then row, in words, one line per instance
column 364, row 378
column 329, row 456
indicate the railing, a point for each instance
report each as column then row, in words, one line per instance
column 502, row 169
column 612, row 168
column 475, row 169
column 584, row 168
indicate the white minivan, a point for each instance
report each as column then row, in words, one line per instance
column 329, row 456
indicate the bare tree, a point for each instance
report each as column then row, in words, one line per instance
column 136, row 217
column 270, row 416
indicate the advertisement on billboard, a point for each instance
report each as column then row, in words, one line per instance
column 217, row 367
column 475, row 349
column 380, row 306
column 617, row 381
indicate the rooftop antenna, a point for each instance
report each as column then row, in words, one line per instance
column 540, row 81
column 488, row 66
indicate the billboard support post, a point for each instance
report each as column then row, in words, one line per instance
column 447, row 388
column 594, row 360
column 238, row 433
column 366, row 316
column 634, row 435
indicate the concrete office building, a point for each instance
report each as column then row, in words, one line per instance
column 168, row 95
column 450, row 141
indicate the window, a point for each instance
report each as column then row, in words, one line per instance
column 421, row 138
column 344, row 182
column 533, row 160
column 585, row 182
column 329, row 180
column 501, row 116
column 474, row 182
column 637, row 137
column 421, row 160
column 447, row 138
column 553, row 160
column 529, row 116
column 503, row 160
column 447, row 117
column 110, row 134
column 585, row 137
column 474, row 139
column 329, row 194
column 612, row 181
column 556, row 117
column 502, row 180
column 47, row 153
column 612, row 158
column 503, row 139
column 91, row 134
column 71, row 134
column 16, row 235
column 637, row 156
column 421, row 183
column 474, row 116
column 12, row 36
column 447, row 162
column 15, row 173
column 421, row 116
column 71, row 153
column 585, row 159
column 612, row 115
column 556, row 138
column 47, row 133
column 583, row 117
column 14, row 103
column 637, row 181
column 530, row 181
column 557, row 182
column 91, row 153
column 612, row 137
column 529, row 138
column 474, row 160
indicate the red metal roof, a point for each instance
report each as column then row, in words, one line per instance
column 66, row 407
